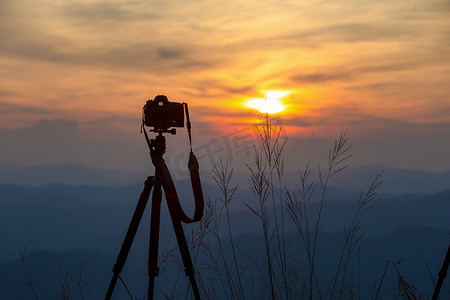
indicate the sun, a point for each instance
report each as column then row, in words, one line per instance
column 271, row 104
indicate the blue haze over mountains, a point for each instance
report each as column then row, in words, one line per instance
column 395, row 181
column 70, row 213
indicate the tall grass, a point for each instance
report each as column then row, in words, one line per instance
column 272, row 148
column 278, row 273
column 222, row 177
column 298, row 206
column 403, row 289
column 74, row 282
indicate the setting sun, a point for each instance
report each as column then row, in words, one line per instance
column 271, row 104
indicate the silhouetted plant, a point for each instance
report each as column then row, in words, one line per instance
column 404, row 290
column 353, row 233
column 222, row 177
column 336, row 163
column 267, row 166
column 195, row 238
column 74, row 282
column 298, row 208
column 22, row 254
column 272, row 147
column 260, row 185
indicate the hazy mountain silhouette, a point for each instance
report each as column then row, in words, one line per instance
column 396, row 181
column 72, row 173
column 54, row 219
column 63, row 217
column 415, row 246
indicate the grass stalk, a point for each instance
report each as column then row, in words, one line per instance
column 222, row 176
column 272, row 148
column 25, row 271
column 261, row 189
column 353, row 234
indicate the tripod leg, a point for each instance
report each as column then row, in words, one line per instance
column 153, row 269
column 442, row 274
column 184, row 250
column 126, row 245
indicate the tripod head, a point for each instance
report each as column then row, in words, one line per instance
column 172, row 131
column 158, row 145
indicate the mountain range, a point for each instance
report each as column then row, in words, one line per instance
column 396, row 181
column 68, row 218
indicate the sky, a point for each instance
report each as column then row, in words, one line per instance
column 74, row 76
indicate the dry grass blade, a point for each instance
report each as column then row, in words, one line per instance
column 222, row 177
column 339, row 154
column 25, row 270
column 405, row 290
column 353, row 233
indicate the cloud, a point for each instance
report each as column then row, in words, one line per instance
column 338, row 29
column 171, row 53
column 101, row 34
column 305, row 121
column 62, row 141
column 381, row 86
column 211, row 88
column 319, row 77
column 6, row 9
column 362, row 32
column 348, row 73
column 48, row 141
column 394, row 146
column 214, row 112
column 362, row 121
column 404, row 65
column 427, row 9
column 4, row 93
column 44, row 130
column 154, row 36
column 95, row 13
column 15, row 108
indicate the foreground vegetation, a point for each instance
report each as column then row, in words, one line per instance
column 282, row 264
column 279, row 271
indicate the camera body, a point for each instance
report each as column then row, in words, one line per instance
column 162, row 114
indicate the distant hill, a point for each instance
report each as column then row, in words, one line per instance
column 72, row 173
column 396, row 181
column 63, row 217
column 414, row 246
column 82, row 216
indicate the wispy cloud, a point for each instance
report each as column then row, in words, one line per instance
column 320, row 78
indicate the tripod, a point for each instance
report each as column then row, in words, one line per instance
column 161, row 179
column 442, row 274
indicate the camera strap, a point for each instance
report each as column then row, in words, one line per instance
column 194, row 174
column 188, row 126
column 193, row 170
column 173, row 201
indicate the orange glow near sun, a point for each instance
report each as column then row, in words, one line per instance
column 271, row 104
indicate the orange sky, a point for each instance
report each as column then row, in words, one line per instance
column 366, row 65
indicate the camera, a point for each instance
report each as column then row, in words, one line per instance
column 162, row 114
